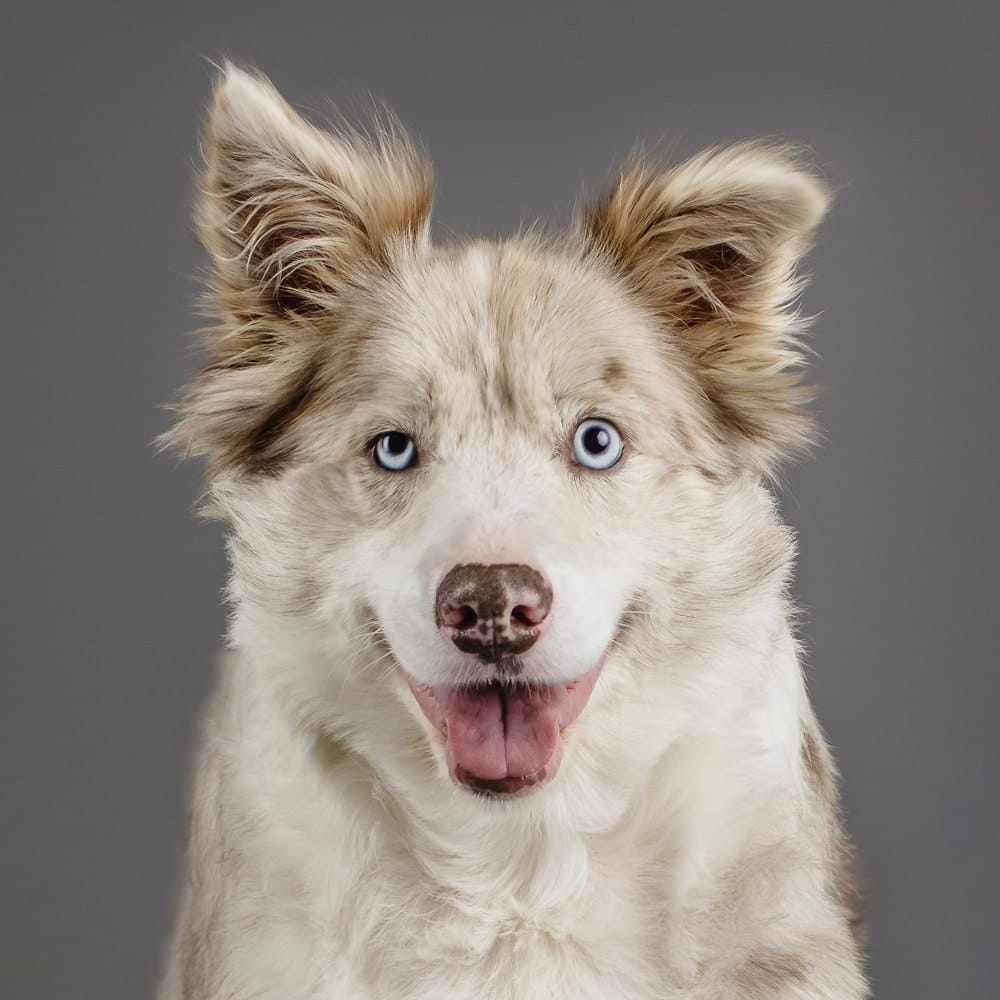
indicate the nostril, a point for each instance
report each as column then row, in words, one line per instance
column 466, row 617
column 460, row 616
column 528, row 615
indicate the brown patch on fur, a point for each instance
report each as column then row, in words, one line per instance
column 614, row 374
column 267, row 448
column 849, row 890
column 711, row 246
column 821, row 774
column 506, row 396
column 729, row 414
column 815, row 760
column 769, row 972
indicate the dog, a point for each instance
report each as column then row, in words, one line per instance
column 512, row 706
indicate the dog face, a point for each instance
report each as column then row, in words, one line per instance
column 468, row 486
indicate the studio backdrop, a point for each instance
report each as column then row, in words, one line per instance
column 113, row 611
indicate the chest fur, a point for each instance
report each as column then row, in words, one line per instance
column 574, row 928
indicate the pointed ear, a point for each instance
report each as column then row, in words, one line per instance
column 289, row 213
column 712, row 246
column 292, row 218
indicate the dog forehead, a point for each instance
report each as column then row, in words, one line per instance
column 517, row 319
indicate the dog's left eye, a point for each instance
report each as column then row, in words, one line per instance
column 597, row 444
column 395, row 451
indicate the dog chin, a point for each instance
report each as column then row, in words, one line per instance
column 504, row 738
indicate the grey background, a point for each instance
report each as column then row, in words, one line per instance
column 112, row 612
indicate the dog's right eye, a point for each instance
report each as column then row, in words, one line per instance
column 395, row 451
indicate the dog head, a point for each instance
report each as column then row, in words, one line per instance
column 471, row 489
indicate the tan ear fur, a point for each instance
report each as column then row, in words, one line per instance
column 288, row 211
column 712, row 246
column 292, row 217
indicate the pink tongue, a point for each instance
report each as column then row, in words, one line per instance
column 502, row 732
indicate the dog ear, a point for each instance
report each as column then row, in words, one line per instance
column 292, row 218
column 712, row 246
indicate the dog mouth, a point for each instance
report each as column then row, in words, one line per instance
column 502, row 738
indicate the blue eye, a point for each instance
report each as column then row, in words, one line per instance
column 597, row 444
column 395, row 451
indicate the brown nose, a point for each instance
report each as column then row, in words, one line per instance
column 494, row 611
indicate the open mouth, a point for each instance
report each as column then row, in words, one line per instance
column 503, row 739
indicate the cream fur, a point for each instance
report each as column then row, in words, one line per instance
column 689, row 848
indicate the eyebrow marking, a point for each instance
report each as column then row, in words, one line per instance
column 614, row 374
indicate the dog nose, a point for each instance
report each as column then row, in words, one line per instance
column 493, row 611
